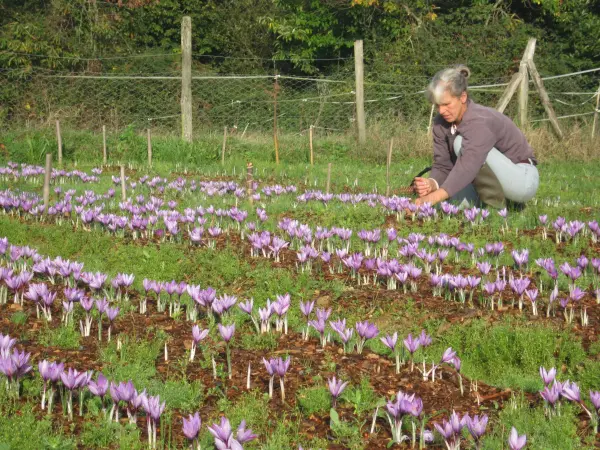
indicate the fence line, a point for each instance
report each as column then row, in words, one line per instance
column 96, row 97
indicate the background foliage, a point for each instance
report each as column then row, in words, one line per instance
column 406, row 42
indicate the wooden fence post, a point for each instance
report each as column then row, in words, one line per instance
column 59, row 141
column 539, row 85
column 596, row 112
column 524, row 87
column 509, row 91
column 328, row 178
column 149, row 148
column 186, row 79
column 275, row 137
column 518, row 79
column 359, row 91
column 104, row 156
column 47, row 174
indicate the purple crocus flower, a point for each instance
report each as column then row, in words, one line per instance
column 101, row 305
column 100, row 387
column 390, row 341
column 521, row 258
column 247, row 306
column 307, row 307
column 571, row 392
column 595, row 399
column 516, row 442
column 366, row 331
column 50, row 373
column 476, row 427
column 281, row 367
column 548, row 376
column 244, row 434
column 191, row 427
column 197, row 336
column 223, row 435
column 396, row 410
column 73, row 380
column 154, row 410
column 451, row 430
column 6, row 345
column 412, row 345
column 323, row 314
column 551, row 394
column 484, row 267
column 424, row 339
column 448, row 355
column 336, row 387
column 226, row 331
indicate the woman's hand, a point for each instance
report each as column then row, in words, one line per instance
column 424, row 186
column 439, row 195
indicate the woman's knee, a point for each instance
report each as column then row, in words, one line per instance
column 525, row 190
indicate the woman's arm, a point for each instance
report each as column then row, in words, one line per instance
column 442, row 163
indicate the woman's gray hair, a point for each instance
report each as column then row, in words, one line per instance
column 453, row 80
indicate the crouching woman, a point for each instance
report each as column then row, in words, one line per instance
column 479, row 155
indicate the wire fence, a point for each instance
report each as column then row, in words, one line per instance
column 144, row 91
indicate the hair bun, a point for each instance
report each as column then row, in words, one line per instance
column 464, row 70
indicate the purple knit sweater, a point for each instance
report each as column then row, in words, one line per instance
column 481, row 129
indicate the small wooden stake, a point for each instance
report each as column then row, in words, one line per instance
column 429, row 127
column 248, row 378
column 328, row 178
column 224, row 145
column 123, row 189
column 310, row 143
column 104, row 158
column 149, row 148
column 249, row 180
column 389, row 163
column 47, row 173
column 59, row 140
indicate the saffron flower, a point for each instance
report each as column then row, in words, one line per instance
column 365, row 331
column 336, row 387
column 476, row 427
column 99, row 387
column 390, row 342
column 412, row 345
column 154, row 409
column 197, row 336
column 191, row 428
column 548, row 376
column 227, row 334
column 516, row 442
column 223, row 435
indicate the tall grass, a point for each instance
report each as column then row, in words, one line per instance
column 411, row 141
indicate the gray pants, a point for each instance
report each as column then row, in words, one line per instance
column 519, row 182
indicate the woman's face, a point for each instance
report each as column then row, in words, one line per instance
column 452, row 108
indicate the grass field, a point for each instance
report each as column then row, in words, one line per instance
column 202, row 239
